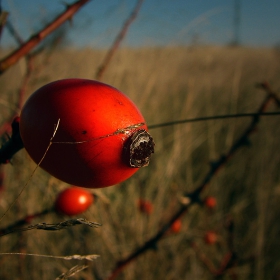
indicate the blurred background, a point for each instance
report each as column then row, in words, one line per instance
column 160, row 23
column 178, row 60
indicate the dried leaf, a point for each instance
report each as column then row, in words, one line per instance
column 73, row 257
column 54, row 227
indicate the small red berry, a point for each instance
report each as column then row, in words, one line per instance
column 210, row 237
column 176, row 226
column 145, row 206
column 73, row 201
column 210, row 202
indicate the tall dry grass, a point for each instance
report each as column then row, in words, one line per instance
column 167, row 84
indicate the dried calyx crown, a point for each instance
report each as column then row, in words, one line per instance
column 138, row 149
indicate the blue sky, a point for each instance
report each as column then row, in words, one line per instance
column 160, row 22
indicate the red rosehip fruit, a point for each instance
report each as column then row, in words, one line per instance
column 73, row 201
column 99, row 137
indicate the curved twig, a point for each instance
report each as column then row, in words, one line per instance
column 118, row 40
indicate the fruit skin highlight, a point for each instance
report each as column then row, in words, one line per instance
column 92, row 146
column 73, row 201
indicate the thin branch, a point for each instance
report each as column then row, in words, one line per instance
column 118, row 40
column 24, row 49
column 123, row 130
column 203, row 258
column 25, row 220
column 265, row 86
column 14, row 33
column 209, row 118
column 225, row 264
column 29, row 64
column 15, row 126
column 71, row 272
column 29, row 67
column 228, row 261
column 3, row 20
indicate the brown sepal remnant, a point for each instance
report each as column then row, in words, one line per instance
column 138, row 149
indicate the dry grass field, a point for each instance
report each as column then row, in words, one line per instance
column 167, row 84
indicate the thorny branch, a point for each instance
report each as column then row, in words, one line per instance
column 54, row 227
column 194, row 197
column 24, row 49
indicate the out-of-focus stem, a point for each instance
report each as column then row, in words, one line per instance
column 118, row 40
